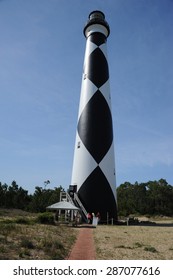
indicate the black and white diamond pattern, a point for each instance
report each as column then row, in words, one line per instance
column 95, row 127
column 93, row 166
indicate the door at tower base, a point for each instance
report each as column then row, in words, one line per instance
column 96, row 195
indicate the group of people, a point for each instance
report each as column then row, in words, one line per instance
column 90, row 217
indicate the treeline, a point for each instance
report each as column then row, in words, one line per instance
column 151, row 198
column 16, row 197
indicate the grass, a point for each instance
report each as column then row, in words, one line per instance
column 134, row 242
column 23, row 237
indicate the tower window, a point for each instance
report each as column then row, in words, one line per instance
column 78, row 145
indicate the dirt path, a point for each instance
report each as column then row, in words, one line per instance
column 84, row 248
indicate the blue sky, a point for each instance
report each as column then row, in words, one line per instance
column 41, row 59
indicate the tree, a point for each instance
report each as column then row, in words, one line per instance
column 160, row 197
column 125, row 197
column 152, row 197
column 43, row 198
column 140, row 198
column 3, row 191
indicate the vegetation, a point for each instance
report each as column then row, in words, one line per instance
column 23, row 237
column 135, row 242
column 151, row 198
column 46, row 218
column 16, row 197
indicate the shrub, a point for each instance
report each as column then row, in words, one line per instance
column 27, row 244
column 138, row 245
column 46, row 218
column 53, row 248
column 24, row 253
column 3, row 249
column 150, row 249
column 7, row 228
column 3, row 239
column 23, row 221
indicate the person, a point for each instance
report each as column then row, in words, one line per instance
column 77, row 219
column 98, row 216
column 89, row 217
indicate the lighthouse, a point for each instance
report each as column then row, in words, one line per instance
column 93, row 172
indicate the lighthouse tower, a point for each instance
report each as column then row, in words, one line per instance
column 93, row 172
